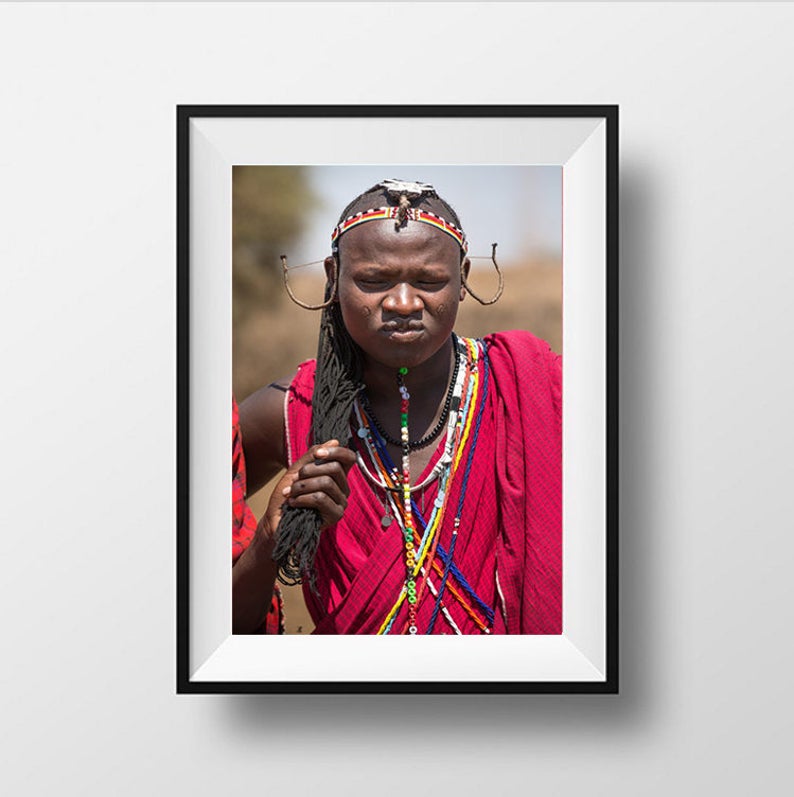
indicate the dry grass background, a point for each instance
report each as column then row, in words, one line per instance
column 269, row 343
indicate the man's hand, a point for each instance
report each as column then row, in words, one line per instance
column 318, row 480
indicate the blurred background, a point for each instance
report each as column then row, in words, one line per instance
column 293, row 209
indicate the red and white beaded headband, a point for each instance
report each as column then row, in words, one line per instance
column 410, row 214
column 403, row 192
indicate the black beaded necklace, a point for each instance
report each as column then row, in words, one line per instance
column 415, row 445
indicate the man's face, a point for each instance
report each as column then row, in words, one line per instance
column 399, row 290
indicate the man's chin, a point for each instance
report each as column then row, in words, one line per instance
column 409, row 353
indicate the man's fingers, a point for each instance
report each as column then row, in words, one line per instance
column 318, row 452
column 318, row 480
column 326, row 458
column 333, row 452
column 330, row 511
column 323, row 483
column 324, row 449
column 333, row 470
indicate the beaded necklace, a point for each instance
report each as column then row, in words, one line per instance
column 408, row 524
column 467, row 602
column 432, row 535
column 421, row 554
column 415, row 445
column 456, row 526
column 381, row 455
column 366, row 433
column 430, row 538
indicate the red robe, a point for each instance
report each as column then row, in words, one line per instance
column 244, row 524
column 509, row 546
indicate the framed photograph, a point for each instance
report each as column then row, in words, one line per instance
column 415, row 311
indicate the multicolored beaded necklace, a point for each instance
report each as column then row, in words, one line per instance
column 421, row 549
column 415, row 445
column 408, row 523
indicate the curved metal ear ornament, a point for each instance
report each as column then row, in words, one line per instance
column 295, row 299
column 499, row 290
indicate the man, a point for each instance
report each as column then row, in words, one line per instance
column 423, row 484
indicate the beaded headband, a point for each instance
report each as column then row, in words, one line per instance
column 403, row 192
column 410, row 214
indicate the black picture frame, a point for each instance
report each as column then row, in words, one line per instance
column 603, row 116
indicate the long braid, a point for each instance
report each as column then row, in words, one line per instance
column 337, row 382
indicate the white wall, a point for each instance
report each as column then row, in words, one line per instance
column 87, row 242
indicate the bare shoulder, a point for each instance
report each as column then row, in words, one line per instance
column 262, row 431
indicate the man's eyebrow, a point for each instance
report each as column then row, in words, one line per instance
column 376, row 270
column 376, row 267
column 277, row 386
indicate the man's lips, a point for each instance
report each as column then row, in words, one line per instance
column 403, row 326
column 403, row 332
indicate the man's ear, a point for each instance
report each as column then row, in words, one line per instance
column 328, row 264
column 331, row 265
column 464, row 274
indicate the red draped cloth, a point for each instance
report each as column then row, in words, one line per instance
column 509, row 546
column 244, row 524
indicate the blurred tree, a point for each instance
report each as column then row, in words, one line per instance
column 269, row 205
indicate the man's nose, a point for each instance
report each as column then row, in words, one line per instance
column 403, row 300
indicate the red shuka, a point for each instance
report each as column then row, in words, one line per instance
column 509, row 546
column 244, row 524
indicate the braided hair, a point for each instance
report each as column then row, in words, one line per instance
column 337, row 382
